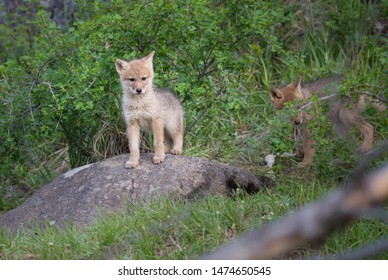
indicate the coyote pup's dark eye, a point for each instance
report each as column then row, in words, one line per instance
column 144, row 78
column 131, row 79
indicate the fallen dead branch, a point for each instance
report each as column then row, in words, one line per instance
column 316, row 221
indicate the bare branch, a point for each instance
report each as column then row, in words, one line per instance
column 379, row 97
column 371, row 96
column 30, row 102
column 313, row 222
column 322, row 98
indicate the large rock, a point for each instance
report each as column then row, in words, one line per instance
column 84, row 193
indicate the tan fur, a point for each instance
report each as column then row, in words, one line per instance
column 153, row 111
column 342, row 117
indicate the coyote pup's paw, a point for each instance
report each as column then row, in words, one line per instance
column 305, row 163
column 176, row 151
column 363, row 150
column 158, row 159
column 131, row 164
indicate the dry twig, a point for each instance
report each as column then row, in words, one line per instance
column 316, row 221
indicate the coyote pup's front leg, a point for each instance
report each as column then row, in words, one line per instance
column 158, row 131
column 308, row 149
column 133, row 135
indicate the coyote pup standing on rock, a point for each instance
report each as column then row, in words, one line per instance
column 153, row 111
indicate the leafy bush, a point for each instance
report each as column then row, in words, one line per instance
column 61, row 98
column 69, row 87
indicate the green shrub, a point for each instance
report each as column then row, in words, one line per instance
column 72, row 87
column 61, row 97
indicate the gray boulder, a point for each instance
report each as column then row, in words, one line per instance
column 83, row 194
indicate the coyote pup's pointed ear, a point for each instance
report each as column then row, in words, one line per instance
column 277, row 98
column 276, row 95
column 148, row 58
column 121, row 66
column 296, row 83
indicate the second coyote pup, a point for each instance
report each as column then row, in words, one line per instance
column 152, row 110
column 342, row 117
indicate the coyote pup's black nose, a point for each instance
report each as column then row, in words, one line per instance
column 138, row 90
column 297, row 122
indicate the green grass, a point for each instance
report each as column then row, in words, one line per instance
column 238, row 124
column 169, row 229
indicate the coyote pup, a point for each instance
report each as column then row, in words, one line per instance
column 341, row 117
column 152, row 110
